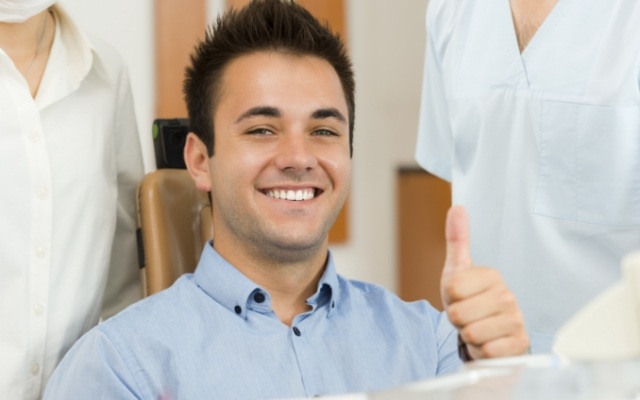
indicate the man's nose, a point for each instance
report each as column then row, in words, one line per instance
column 296, row 152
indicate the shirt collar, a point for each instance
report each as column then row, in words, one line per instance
column 328, row 288
column 226, row 285
column 70, row 60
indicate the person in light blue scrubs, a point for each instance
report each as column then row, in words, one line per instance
column 531, row 109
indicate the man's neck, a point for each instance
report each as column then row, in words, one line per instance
column 290, row 288
column 290, row 283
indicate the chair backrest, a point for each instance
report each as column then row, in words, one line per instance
column 174, row 221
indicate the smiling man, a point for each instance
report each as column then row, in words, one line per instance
column 265, row 315
column 280, row 171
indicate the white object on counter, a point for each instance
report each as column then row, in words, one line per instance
column 608, row 328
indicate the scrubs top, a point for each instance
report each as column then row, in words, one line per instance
column 542, row 148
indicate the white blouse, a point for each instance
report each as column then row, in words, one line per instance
column 70, row 163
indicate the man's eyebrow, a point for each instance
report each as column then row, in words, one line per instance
column 264, row 111
column 328, row 113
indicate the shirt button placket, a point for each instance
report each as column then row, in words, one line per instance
column 39, row 263
column 35, row 368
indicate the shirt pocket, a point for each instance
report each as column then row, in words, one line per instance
column 589, row 169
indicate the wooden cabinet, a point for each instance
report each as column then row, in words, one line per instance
column 422, row 203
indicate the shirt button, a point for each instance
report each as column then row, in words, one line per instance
column 35, row 368
column 35, row 138
column 259, row 297
column 37, row 309
column 238, row 309
column 43, row 193
column 41, row 251
column 296, row 331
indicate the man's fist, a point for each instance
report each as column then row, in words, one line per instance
column 476, row 299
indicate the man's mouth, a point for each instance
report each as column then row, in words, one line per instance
column 293, row 195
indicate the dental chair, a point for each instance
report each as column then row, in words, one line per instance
column 174, row 223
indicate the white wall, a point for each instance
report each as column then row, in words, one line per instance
column 386, row 39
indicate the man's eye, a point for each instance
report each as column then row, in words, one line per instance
column 260, row 131
column 325, row 132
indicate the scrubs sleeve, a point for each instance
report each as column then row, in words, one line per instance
column 434, row 148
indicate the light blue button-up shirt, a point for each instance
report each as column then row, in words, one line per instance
column 214, row 335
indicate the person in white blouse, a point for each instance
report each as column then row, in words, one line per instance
column 70, row 162
column 531, row 109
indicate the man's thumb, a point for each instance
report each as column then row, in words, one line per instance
column 457, row 236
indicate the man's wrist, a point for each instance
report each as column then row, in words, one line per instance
column 463, row 350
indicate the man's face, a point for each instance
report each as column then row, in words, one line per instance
column 281, row 169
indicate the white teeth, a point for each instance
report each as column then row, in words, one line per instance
column 292, row 195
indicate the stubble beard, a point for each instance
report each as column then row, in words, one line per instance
column 263, row 240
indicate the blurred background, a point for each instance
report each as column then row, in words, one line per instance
column 391, row 232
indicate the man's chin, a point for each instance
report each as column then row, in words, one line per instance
column 296, row 249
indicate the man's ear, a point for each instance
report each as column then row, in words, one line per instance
column 196, row 157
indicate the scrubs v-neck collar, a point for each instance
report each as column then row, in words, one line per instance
column 548, row 29
column 557, row 63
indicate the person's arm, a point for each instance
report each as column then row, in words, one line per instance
column 93, row 369
column 123, row 284
column 434, row 147
column 448, row 358
column 477, row 300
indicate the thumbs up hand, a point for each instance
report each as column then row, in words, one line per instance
column 477, row 300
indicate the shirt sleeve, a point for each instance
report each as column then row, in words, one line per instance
column 123, row 284
column 448, row 356
column 92, row 369
column 434, row 148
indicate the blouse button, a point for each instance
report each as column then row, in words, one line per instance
column 41, row 252
column 43, row 193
